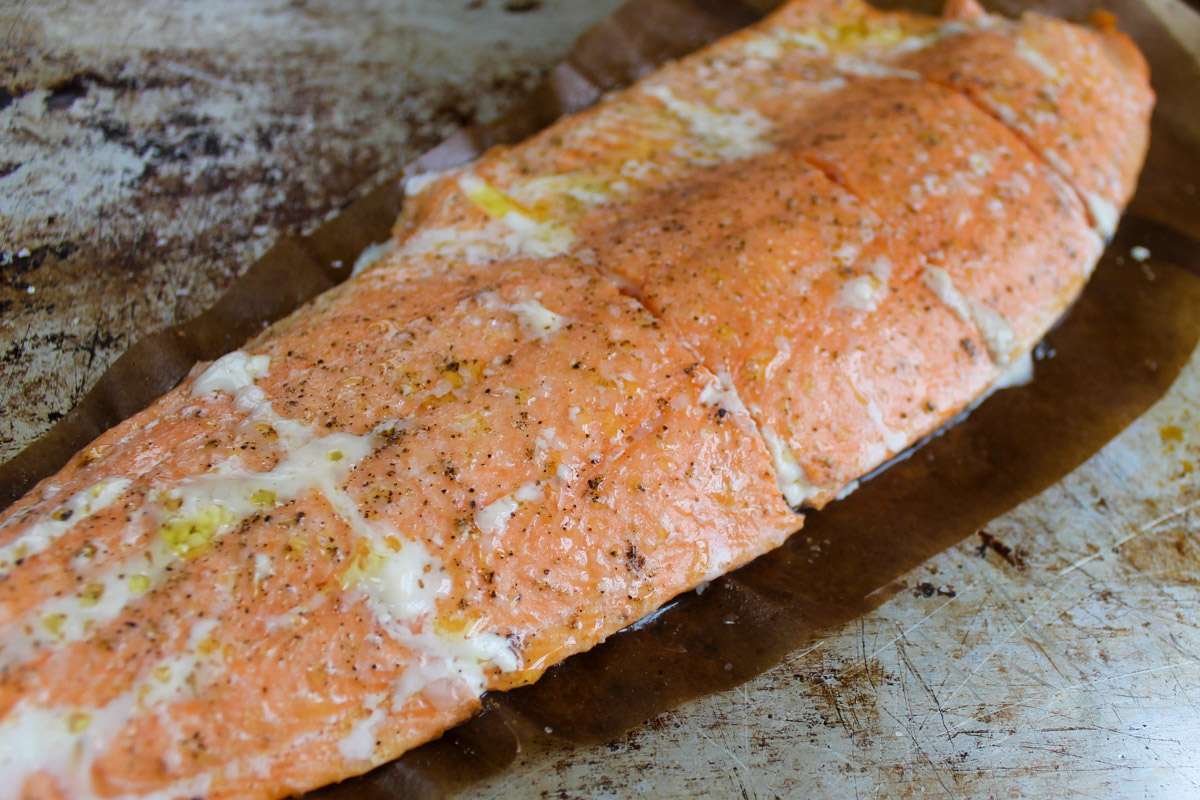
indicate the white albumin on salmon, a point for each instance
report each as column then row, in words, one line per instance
column 591, row 371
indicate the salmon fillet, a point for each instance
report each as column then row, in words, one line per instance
column 594, row 371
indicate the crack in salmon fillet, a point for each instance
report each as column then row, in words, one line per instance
column 592, row 371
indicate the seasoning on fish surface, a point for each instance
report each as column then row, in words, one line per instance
column 593, row 371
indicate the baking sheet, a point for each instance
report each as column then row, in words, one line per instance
column 1114, row 355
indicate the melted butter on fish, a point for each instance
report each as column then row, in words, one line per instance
column 69, row 740
column 359, row 744
column 997, row 334
column 419, row 182
column 1019, row 372
column 583, row 189
column 493, row 518
column 871, row 69
column 76, row 509
column 399, row 579
column 401, row 584
column 73, row 617
column 537, row 320
column 372, row 255
column 193, row 513
column 789, row 475
column 1105, row 215
column 722, row 134
column 527, row 235
column 230, row 374
column 519, row 233
column 853, row 36
column 866, row 291
column 894, row 441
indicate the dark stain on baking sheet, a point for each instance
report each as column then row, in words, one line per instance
column 1113, row 356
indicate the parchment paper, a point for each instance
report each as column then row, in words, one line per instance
column 1115, row 354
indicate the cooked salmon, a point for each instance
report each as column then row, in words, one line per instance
column 594, row 371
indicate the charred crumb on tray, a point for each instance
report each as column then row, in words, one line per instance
column 1015, row 557
column 64, row 94
column 26, row 259
column 927, row 589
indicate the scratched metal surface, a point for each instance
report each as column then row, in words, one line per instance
column 149, row 153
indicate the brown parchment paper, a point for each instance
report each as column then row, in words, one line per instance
column 1115, row 354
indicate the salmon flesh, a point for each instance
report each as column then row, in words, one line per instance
column 593, row 371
